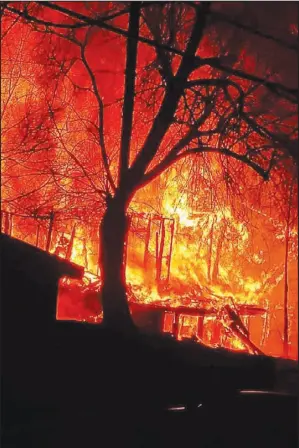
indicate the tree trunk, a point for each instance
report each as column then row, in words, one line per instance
column 113, row 233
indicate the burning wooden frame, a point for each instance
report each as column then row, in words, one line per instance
column 202, row 320
column 157, row 232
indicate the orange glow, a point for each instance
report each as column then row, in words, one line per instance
column 189, row 286
column 200, row 241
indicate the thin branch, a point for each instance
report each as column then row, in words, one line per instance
column 77, row 161
column 214, row 82
column 290, row 146
column 46, row 23
column 83, row 23
column 23, row 195
column 223, row 18
column 10, row 27
column 227, row 152
column 174, row 155
column 174, row 158
column 277, row 88
column 101, row 118
column 161, row 53
column 164, row 117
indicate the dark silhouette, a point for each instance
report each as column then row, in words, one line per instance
column 61, row 384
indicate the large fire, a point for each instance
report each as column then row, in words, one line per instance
column 193, row 305
column 196, row 267
column 174, row 268
column 205, row 254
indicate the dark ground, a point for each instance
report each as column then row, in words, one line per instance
column 67, row 384
column 83, row 386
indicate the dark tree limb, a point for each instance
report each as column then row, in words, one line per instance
column 278, row 89
column 162, row 55
column 290, row 94
column 173, row 94
column 227, row 152
column 278, row 141
column 224, row 18
column 174, row 157
column 128, row 106
column 101, row 118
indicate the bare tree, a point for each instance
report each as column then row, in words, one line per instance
column 183, row 97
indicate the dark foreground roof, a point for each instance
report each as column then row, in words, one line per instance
column 22, row 257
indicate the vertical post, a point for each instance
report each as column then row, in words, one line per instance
column 161, row 247
column 51, row 218
column 157, row 257
column 218, row 253
column 6, row 223
column 286, row 280
column 200, row 326
column 215, row 339
column 147, row 241
column 286, row 291
column 266, row 321
column 71, row 243
column 128, row 218
column 246, row 322
column 98, row 271
column 84, row 253
column 210, row 251
column 170, row 249
column 11, row 224
column 37, row 233
column 175, row 326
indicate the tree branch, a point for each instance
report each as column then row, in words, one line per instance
column 276, row 88
column 227, row 152
column 101, row 118
column 174, row 91
column 77, row 161
column 223, row 18
column 23, row 195
column 290, row 146
column 173, row 155
column 161, row 53
column 25, row 15
column 174, row 158
column 128, row 105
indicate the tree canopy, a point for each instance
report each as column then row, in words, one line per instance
column 99, row 99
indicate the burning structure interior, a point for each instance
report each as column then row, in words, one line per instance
column 195, row 152
column 157, row 303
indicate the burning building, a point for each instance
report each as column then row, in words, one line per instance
column 155, row 164
column 160, row 300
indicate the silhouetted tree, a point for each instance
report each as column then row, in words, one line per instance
column 186, row 92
